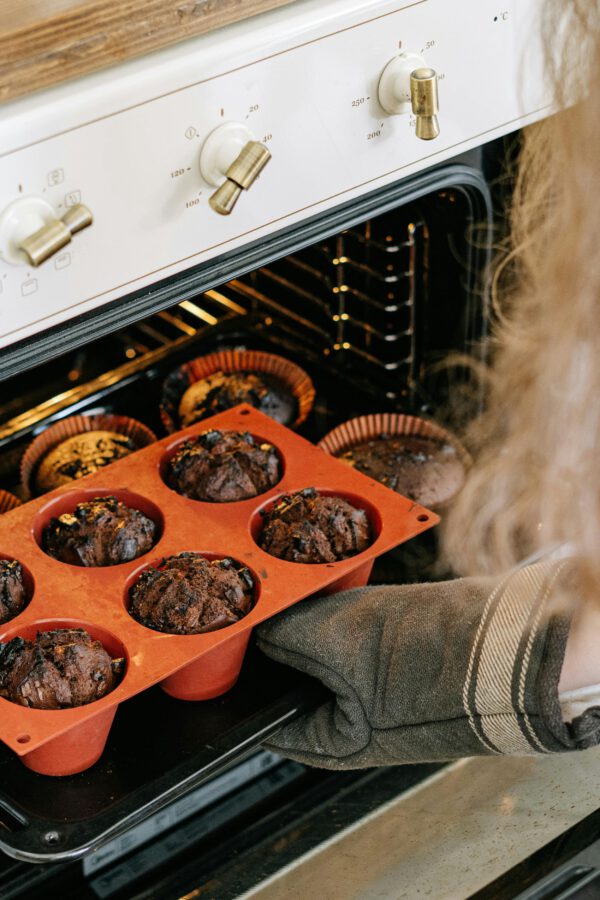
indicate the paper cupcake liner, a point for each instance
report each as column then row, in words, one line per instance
column 287, row 373
column 8, row 502
column 367, row 428
column 66, row 428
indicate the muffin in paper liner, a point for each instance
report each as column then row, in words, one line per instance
column 8, row 501
column 371, row 427
column 287, row 373
column 140, row 434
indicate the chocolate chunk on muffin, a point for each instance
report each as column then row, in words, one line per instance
column 223, row 466
column 220, row 391
column 189, row 594
column 13, row 593
column 59, row 669
column 99, row 532
column 426, row 469
column 307, row 527
column 80, row 455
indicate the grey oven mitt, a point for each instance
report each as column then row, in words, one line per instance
column 427, row 672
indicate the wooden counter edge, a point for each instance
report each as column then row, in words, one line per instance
column 68, row 38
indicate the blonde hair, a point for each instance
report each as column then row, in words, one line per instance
column 536, row 482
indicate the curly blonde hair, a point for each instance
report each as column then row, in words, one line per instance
column 536, row 483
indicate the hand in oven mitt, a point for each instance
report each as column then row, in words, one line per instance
column 426, row 672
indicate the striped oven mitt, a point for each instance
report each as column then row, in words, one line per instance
column 427, row 672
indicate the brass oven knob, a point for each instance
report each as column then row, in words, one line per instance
column 231, row 160
column 55, row 234
column 31, row 231
column 241, row 175
column 424, row 102
column 408, row 85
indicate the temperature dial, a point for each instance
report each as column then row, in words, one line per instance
column 409, row 85
column 231, row 160
column 31, row 232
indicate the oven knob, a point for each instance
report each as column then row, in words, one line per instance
column 31, row 232
column 408, row 84
column 231, row 160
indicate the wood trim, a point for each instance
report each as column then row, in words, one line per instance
column 44, row 42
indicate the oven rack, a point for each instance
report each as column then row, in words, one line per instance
column 374, row 306
column 305, row 295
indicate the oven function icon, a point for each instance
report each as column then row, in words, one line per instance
column 409, row 85
column 72, row 198
column 31, row 231
column 62, row 260
column 56, row 176
column 29, row 287
column 231, row 160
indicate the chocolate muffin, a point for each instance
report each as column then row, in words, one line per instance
column 223, row 466
column 308, row 528
column 59, row 669
column 220, row 391
column 13, row 593
column 188, row 594
column 80, row 455
column 99, row 532
column 426, row 469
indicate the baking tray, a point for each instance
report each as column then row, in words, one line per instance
column 158, row 750
column 60, row 742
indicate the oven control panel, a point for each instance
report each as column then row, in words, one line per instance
column 113, row 182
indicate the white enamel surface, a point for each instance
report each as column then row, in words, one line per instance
column 126, row 142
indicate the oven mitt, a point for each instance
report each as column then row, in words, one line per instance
column 427, row 672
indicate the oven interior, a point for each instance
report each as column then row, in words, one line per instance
column 371, row 312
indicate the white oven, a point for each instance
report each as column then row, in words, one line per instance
column 319, row 181
column 323, row 87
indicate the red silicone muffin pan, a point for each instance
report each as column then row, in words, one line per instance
column 189, row 667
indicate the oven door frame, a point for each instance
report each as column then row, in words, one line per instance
column 464, row 171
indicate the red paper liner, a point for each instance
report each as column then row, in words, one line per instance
column 367, row 428
column 140, row 434
column 8, row 502
column 287, row 373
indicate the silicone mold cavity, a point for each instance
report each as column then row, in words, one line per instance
column 174, row 446
column 257, row 519
column 68, row 500
column 157, row 564
column 82, row 744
